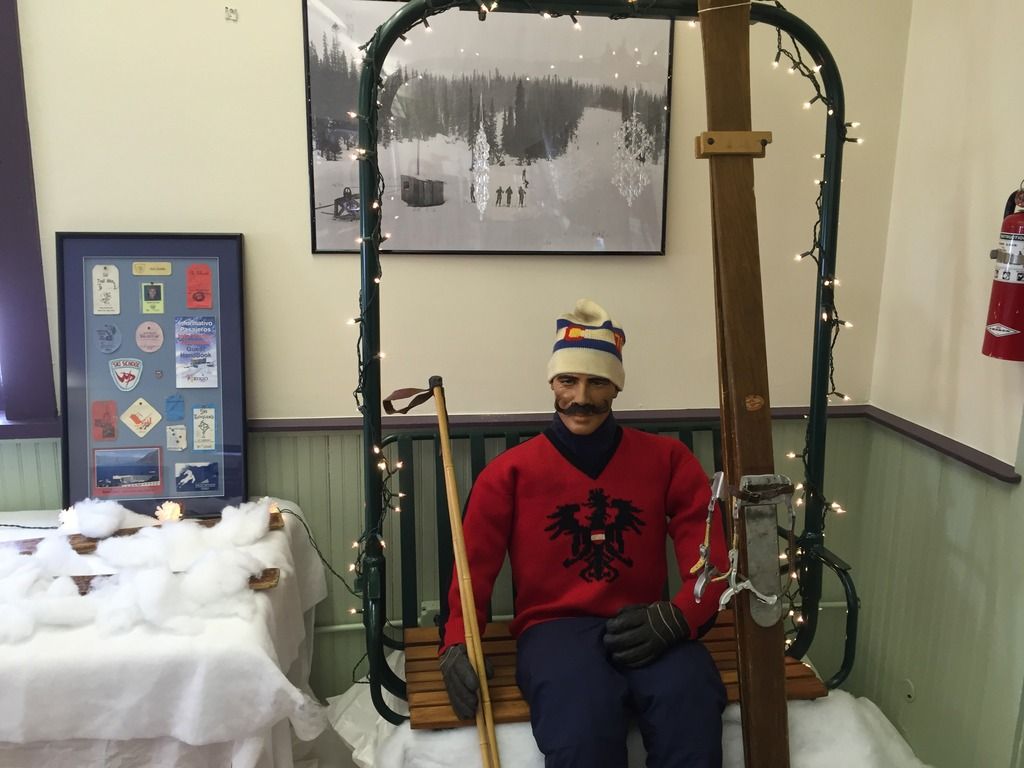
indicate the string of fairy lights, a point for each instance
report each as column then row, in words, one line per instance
column 788, row 51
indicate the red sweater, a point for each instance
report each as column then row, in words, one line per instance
column 587, row 547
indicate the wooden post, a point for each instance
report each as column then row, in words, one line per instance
column 742, row 358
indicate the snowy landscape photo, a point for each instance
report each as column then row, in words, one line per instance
column 518, row 134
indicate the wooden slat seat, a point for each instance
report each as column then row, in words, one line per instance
column 428, row 700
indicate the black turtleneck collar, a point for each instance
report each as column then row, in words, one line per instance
column 588, row 453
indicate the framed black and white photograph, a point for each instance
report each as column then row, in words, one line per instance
column 518, row 134
column 152, row 369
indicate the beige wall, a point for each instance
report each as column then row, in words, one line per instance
column 162, row 116
column 960, row 155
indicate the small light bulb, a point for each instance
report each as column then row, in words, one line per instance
column 351, row 567
column 799, row 487
column 401, row 495
column 352, row 611
column 824, row 316
column 350, row 321
column 847, row 324
column 783, row 556
column 376, row 280
column 807, row 105
column 353, row 115
column 854, row 124
column 799, row 502
column 382, row 465
column 546, row 15
column 376, row 449
column 790, row 455
column 791, row 71
column 355, row 545
column 397, row 509
column 819, row 156
column 359, row 240
column 376, row 204
column 693, row 24
column 382, row 355
column 399, row 464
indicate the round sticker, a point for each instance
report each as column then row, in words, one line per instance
column 108, row 338
column 149, row 336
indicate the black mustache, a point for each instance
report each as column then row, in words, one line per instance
column 577, row 409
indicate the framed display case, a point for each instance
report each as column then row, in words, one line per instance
column 152, row 369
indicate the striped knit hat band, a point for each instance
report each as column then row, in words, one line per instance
column 586, row 341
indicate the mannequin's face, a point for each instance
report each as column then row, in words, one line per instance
column 583, row 402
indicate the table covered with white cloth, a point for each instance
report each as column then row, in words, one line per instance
column 200, row 690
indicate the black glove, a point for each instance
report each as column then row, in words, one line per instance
column 639, row 634
column 461, row 681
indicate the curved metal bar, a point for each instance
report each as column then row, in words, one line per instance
column 812, row 537
column 842, row 570
column 374, row 562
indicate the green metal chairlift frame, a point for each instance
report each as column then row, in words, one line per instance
column 815, row 556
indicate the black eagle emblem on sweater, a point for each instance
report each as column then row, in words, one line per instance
column 596, row 528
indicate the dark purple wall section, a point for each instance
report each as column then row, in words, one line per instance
column 25, row 357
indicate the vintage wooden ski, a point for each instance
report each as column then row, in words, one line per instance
column 730, row 146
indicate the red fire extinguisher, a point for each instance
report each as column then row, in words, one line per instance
column 1004, row 329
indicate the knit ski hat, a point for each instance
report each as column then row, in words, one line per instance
column 587, row 342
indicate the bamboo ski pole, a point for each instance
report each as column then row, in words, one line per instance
column 485, row 714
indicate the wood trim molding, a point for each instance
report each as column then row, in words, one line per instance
column 961, row 452
column 958, row 451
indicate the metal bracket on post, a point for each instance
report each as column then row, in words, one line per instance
column 758, row 497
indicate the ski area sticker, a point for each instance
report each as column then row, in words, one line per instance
column 140, row 417
column 177, row 437
column 104, row 420
column 149, row 336
column 198, row 287
column 145, row 268
column 152, row 298
column 106, row 290
column 204, row 432
column 108, row 338
column 126, row 372
column 195, row 352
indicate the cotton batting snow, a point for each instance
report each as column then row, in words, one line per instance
column 95, row 518
column 170, row 576
column 838, row 731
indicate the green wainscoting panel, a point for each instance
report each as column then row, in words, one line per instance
column 30, row 476
column 937, row 550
